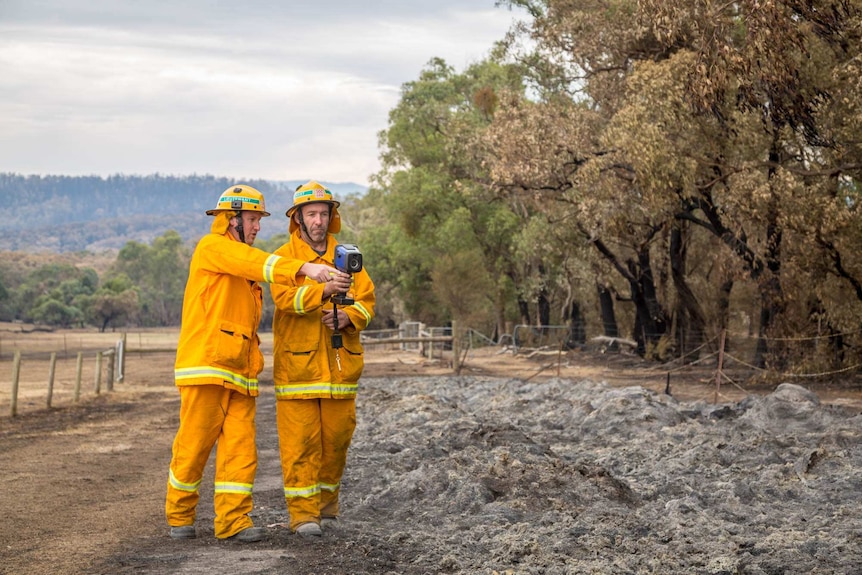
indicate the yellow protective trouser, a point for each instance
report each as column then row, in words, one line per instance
column 210, row 414
column 313, row 438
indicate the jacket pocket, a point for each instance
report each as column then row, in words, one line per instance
column 303, row 360
column 232, row 345
column 352, row 361
column 256, row 358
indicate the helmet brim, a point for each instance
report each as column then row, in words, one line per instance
column 214, row 212
column 292, row 209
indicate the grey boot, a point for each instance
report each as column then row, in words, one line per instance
column 249, row 535
column 183, row 532
column 309, row 530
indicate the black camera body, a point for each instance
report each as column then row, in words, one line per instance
column 348, row 258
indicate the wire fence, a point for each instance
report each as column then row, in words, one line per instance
column 108, row 369
column 737, row 350
column 728, row 356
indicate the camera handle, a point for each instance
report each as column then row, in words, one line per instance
column 336, row 335
column 338, row 299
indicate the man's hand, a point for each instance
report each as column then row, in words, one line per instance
column 325, row 274
column 343, row 319
column 339, row 284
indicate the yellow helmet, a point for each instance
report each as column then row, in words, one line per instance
column 240, row 198
column 313, row 192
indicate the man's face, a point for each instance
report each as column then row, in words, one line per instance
column 316, row 218
column 250, row 225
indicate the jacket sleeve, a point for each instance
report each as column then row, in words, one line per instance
column 218, row 254
column 298, row 299
column 362, row 311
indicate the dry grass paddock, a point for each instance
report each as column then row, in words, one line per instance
column 149, row 357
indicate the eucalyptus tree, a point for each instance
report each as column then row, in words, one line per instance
column 52, row 294
column 653, row 122
column 794, row 67
column 439, row 242
column 551, row 150
column 6, row 312
column 159, row 271
column 114, row 304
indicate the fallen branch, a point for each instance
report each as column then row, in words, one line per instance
column 614, row 340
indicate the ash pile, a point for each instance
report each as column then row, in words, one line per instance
column 488, row 475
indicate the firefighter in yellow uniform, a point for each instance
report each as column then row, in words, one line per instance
column 218, row 361
column 316, row 382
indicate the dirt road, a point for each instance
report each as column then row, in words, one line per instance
column 505, row 468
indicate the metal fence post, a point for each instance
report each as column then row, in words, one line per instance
column 121, row 359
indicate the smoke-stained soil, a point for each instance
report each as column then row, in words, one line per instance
column 464, row 474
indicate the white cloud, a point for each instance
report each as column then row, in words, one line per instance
column 255, row 89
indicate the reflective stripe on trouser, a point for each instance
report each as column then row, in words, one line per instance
column 211, row 414
column 313, row 438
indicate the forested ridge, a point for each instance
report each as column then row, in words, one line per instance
column 58, row 213
column 669, row 172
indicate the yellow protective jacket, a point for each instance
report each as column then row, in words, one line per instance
column 218, row 342
column 305, row 366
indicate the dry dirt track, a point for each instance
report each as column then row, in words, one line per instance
column 469, row 474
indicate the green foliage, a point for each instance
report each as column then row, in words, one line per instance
column 439, row 244
column 460, row 282
column 51, row 294
column 7, row 311
column 159, row 273
column 50, row 311
column 108, row 308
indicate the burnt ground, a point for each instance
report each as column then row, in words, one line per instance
column 547, row 464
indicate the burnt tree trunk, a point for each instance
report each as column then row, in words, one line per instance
column 609, row 317
column 542, row 303
column 771, row 293
column 650, row 317
column 724, row 304
column 524, row 310
column 691, row 320
column 577, row 329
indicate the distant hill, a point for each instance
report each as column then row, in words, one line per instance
column 90, row 213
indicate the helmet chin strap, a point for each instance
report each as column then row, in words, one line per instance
column 302, row 224
column 239, row 228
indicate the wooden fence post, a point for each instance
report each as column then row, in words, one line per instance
column 78, row 376
column 16, row 371
column 98, row 372
column 109, row 380
column 51, row 378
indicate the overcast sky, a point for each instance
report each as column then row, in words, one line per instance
column 272, row 89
